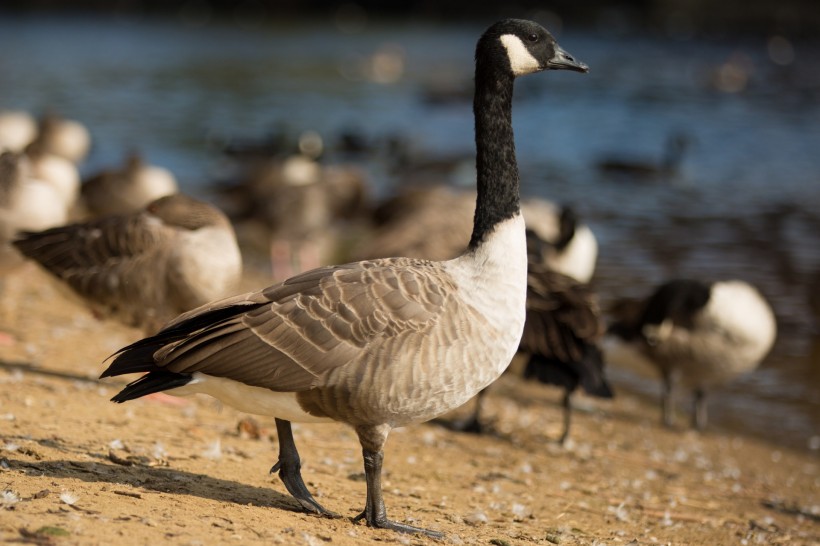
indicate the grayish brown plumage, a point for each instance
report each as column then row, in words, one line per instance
column 374, row 344
column 145, row 268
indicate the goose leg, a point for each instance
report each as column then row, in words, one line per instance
column 372, row 439
column 699, row 410
column 667, row 404
column 290, row 471
column 473, row 423
column 567, row 415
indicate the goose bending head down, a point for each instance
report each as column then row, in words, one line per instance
column 696, row 333
column 374, row 344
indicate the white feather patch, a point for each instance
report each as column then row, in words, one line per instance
column 521, row 60
column 247, row 398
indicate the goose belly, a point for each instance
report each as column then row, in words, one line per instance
column 247, row 398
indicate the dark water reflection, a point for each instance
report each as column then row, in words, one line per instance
column 746, row 202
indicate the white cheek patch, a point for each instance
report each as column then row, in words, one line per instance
column 521, row 60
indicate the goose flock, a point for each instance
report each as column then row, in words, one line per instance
column 447, row 285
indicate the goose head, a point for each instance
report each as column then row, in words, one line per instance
column 527, row 46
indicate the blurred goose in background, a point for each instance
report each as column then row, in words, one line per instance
column 297, row 202
column 17, row 130
column 404, row 224
column 644, row 169
column 26, row 202
column 57, row 171
column 63, row 137
column 127, row 189
column 695, row 333
column 375, row 344
column 566, row 245
column 146, row 267
column 431, row 222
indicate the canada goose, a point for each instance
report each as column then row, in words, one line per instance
column 296, row 201
column 374, row 344
column 64, row 137
column 566, row 245
column 643, row 169
column 57, row 171
column 127, row 189
column 701, row 334
column 146, row 267
column 26, row 202
column 17, row 130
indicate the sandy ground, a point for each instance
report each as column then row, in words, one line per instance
column 77, row 469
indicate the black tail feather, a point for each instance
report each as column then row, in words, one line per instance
column 139, row 356
column 150, row 383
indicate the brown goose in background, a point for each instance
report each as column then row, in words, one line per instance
column 692, row 332
column 434, row 221
column 127, row 189
column 376, row 344
column 147, row 267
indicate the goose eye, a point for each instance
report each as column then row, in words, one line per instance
column 533, row 37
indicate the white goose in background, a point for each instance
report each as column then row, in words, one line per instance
column 17, row 130
column 26, row 202
column 375, row 344
column 695, row 333
column 146, row 267
column 57, row 171
column 64, row 137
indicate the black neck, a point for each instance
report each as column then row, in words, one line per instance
column 497, row 170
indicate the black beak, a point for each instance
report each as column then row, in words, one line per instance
column 564, row 61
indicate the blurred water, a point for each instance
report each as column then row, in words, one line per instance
column 745, row 204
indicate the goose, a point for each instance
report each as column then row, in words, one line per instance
column 567, row 245
column 295, row 201
column 26, row 202
column 57, row 171
column 127, row 189
column 147, row 267
column 431, row 222
column 374, row 344
column 405, row 221
column 17, row 130
column 66, row 138
column 643, row 169
column 701, row 334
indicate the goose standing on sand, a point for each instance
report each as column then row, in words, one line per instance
column 700, row 334
column 145, row 268
column 375, row 344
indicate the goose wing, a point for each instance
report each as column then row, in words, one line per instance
column 562, row 316
column 289, row 336
column 111, row 261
